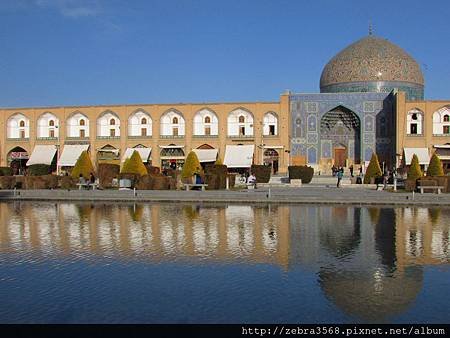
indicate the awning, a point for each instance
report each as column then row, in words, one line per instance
column 143, row 152
column 42, row 154
column 239, row 156
column 71, row 153
column 443, row 152
column 206, row 155
column 114, row 151
column 422, row 154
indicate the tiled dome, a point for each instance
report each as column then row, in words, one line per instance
column 373, row 60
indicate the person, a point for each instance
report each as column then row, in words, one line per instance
column 340, row 174
column 92, row 178
column 81, row 179
column 333, row 170
column 351, row 170
column 385, row 179
column 360, row 171
column 251, row 180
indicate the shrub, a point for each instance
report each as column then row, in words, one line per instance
column 134, row 165
column 5, row 171
column 262, row 173
column 7, row 182
column 191, row 166
column 218, row 161
column 67, row 182
column 106, row 173
column 216, row 177
column 152, row 170
column 83, row 166
column 414, row 171
column 145, row 182
column 373, row 170
column 302, row 172
column 39, row 169
column 435, row 166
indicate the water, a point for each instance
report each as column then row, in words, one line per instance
column 185, row 263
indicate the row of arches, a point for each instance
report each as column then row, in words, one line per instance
column 240, row 122
column 415, row 122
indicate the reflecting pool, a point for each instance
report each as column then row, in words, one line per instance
column 218, row 263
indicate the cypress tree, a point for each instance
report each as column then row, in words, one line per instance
column 134, row 165
column 83, row 166
column 373, row 170
column 191, row 166
column 414, row 171
column 435, row 166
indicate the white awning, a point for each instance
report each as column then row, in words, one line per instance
column 114, row 151
column 206, row 155
column 143, row 152
column 443, row 146
column 422, row 154
column 42, row 154
column 239, row 156
column 71, row 153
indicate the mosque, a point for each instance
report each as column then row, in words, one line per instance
column 371, row 100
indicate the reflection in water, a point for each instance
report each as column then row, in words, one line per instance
column 368, row 261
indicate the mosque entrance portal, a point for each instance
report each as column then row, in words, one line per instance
column 340, row 129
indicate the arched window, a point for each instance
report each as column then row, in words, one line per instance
column 414, row 121
column 441, row 121
column 112, row 122
column 175, row 120
column 51, row 123
column 82, row 122
column 22, row 124
column 241, row 119
column 144, row 120
column 207, row 119
column 240, row 123
column 270, row 124
column 446, row 118
column 172, row 124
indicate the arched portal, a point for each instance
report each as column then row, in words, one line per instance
column 340, row 127
column 272, row 159
column 17, row 160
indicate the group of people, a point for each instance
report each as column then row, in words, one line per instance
column 90, row 181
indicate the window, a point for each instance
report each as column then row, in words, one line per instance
column 175, row 120
column 175, row 130
column 446, row 118
column 144, row 120
column 271, row 130
column 207, row 131
column 207, row 119
column 51, row 123
column 413, row 130
column 241, row 131
column 52, row 133
column 112, row 132
column 82, row 133
column 446, row 130
column 143, row 131
column 241, row 119
column 82, row 122
column 22, row 123
column 414, row 117
column 112, row 122
column 22, row 134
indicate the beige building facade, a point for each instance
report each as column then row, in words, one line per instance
column 422, row 126
column 170, row 130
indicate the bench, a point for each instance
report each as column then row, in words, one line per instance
column 188, row 187
column 87, row 186
column 432, row 187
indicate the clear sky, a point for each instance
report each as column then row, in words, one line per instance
column 80, row 52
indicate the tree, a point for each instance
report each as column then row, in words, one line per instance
column 373, row 170
column 435, row 166
column 218, row 161
column 134, row 165
column 414, row 171
column 191, row 166
column 83, row 166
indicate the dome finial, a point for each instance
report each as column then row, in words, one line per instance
column 370, row 28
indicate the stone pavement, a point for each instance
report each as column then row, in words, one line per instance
column 307, row 194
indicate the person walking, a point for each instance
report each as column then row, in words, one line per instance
column 340, row 174
column 351, row 170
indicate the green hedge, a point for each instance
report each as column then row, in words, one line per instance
column 304, row 173
column 5, row 171
column 262, row 173
column 39, row 170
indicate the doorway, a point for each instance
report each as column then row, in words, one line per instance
column 340, row 157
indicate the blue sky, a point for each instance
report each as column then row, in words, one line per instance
column 79, row 52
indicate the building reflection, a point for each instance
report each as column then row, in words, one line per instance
column 368, row 261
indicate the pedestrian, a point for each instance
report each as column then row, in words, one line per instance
column 333, row 170
column 360, row 171
column 92, row 178
column 340, row 174
column 351, row 170
column 385, row 180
